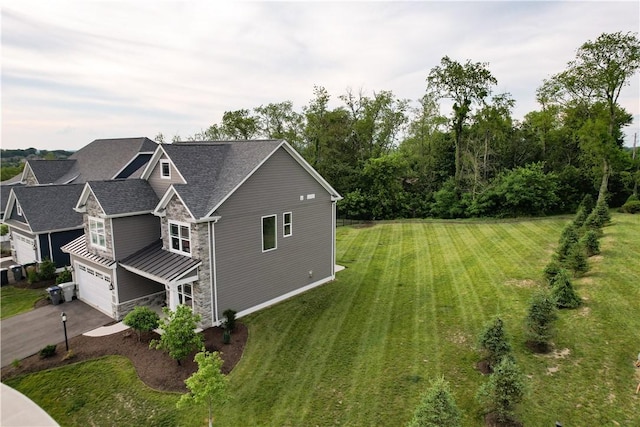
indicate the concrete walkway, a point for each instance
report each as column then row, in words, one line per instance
column 28, row 333
column 17, row 410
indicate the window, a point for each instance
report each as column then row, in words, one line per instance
column 165, row 169
column 96, row 233
column 268, row 233
column 185, row 295
column 180, row 238
column 286, row 224
column 18, row 209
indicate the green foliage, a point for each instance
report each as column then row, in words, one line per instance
column 226, row 336
column 4, row 229
column 591, row 242
column 64, row 276
column 354, row 205
column 525, row 191
column 632, row 205
column 229, row 319
column 587, row 203
column 563, row 292
column 179, row 337
column 568, row 239
column 540, row 319
column 437, row 407
column 576, row 259
column 47, row 270
column 47, row 351
column 32, row 275
column 503, row 392
column 447, row 202
column 493, row 341
column 7, row 172
column 552, row 269
column 208, row 385
column 581, row 217
column 141, row 319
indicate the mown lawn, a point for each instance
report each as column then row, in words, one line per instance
column 18, row 300
column 360, row 351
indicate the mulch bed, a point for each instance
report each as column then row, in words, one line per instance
column 154, row 367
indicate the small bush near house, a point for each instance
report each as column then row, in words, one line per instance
column 32, row 275
column 539, row 321
column 437, row 408
column 48, row 351
column 141, row 319
column 493, row 341
column 4, row 229
column 47, row 270
column 64, row 276
column 230, row 320
column 179, row 337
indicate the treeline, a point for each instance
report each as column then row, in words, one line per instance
column 392, row 157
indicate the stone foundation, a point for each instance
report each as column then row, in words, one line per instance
column 154, row 300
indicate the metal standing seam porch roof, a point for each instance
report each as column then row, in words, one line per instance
column 78, row 247
column 158, row 264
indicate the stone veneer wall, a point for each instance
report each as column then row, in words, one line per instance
column 94, row 210
column 202, row 290
column 30, row 179
column 155, row 300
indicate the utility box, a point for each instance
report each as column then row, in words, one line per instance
column 68, row 290
column 56, row 294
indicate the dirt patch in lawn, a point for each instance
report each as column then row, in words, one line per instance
column 154, row 367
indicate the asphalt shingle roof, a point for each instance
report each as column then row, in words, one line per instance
column 50, row 171
column 124, row 196
column 214, row 169
column 50, row 207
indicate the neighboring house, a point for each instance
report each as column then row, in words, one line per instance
column 219, row 225
column 99, row 160
column 41, row 219
column 46, row 226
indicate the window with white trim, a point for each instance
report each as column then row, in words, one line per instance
column 269, row 238
column 287, row 219
column 97, row 233
column 18, row 209
column 165, row 169
column 185, row 295
column 180, row 237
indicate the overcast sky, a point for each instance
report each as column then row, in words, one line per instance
column 75, row 71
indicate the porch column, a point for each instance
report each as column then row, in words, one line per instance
column 173, row 296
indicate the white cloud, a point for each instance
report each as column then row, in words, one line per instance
column 74, row 71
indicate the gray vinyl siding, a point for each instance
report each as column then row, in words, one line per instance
column 160, row 184
column 246, row 276
column 132, row 286
column 130, row 234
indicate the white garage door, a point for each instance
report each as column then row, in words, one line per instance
column 93, row 288
column 25, row 249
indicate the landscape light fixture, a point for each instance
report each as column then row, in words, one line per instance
column 63, row 315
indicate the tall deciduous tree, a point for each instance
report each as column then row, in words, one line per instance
column 598, row 73
column 465, row 84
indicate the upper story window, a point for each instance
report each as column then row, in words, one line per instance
column 269, row 239
column 165, row 169
column 18, row 209
column 97, row 233
column 180, row 237
column 287, row 219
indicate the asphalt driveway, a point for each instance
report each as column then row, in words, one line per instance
column 27, row 333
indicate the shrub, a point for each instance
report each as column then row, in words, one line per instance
column 539, row 320
column 141, row 319
column 16, row 363
column 47, row 270
column 551, row 269
column 32, row 275
column 599, row 216
column 631, row 206
column 48, row 351
column 179, row 337
column 581, row 217
column 437, row 407
column 568, row 239
column 69, row 355
column 587, row 203
column 64, row 276
column 226, row 336
column 4, row 229
column 494, row 342
column 504, row 390
column 230, row 320
column 576, row 260
column 591, row 243
column 563, row 292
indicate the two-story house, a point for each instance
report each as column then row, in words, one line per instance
column 218, row 225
